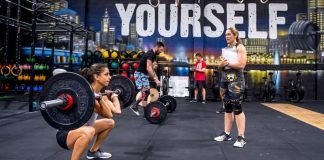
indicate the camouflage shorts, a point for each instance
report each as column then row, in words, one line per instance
column 233, row 91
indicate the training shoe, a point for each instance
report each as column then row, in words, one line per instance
column 203, row 101
column 99, row 154
column 223, row 137
column 240, row 142
column 134, row 108
column 221, row 110
column 194, row 101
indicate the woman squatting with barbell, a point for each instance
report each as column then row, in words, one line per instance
column 97, row 130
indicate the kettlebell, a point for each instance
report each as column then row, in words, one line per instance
column 42, row 78
column 25, row 67
column 35, row 88
column 16, row 87
column 25, row 77
column 20, row 77
column 36, row 66
column 22, row 87
column 42, row 67
column 36, row 78
column 7, row 87
column 40, row 88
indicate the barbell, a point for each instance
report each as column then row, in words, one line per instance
column 157, row 108
column 156, row 112
column 304, row 35
column 67, row 100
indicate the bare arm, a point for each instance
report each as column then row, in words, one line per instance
column 223, row 63
column 242, row 58
column 113, row 104
column 101, row 107
column 149, row 68
column 155, row 65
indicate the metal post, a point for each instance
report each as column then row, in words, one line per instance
column 85, row 57
column 52, row 63
column 32, row 54
column 86, row 13
column 18, row 34
column 71, row 49
column 7, row 34
column 316, row 54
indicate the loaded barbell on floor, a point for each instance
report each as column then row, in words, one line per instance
column 157, row 108
column 169, row 102
column 156, row 112
column 67, row 100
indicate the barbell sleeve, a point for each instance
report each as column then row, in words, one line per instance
column 52, row 103
column 117, row 91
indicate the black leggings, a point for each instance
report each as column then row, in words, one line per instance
column 61, row 137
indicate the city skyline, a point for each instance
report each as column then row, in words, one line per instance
column 185, row 46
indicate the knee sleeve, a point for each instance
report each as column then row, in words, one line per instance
column 237, row 109
column 145, row 94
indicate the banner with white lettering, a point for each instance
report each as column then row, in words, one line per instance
column 187, row 27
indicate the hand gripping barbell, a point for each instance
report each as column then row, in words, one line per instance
column 67, row 100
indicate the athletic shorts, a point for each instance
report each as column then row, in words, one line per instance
column 61, row 137
column 234, row 91
column 141, row 80
column 200, row 84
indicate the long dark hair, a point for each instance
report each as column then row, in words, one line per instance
column 95, row 68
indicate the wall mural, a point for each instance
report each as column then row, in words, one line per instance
column 199, row 26
column 191, row 26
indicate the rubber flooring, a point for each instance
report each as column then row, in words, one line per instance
column 185, row 135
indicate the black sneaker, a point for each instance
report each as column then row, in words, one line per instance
column 240, row 142
column 194, row 101
column 99, row 154
column 134, row 108
column 221, row 110
column 203, row 101
column 223, row 137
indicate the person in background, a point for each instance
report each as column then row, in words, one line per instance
column 221, row 94
column 144, row 72
column 199, row 69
